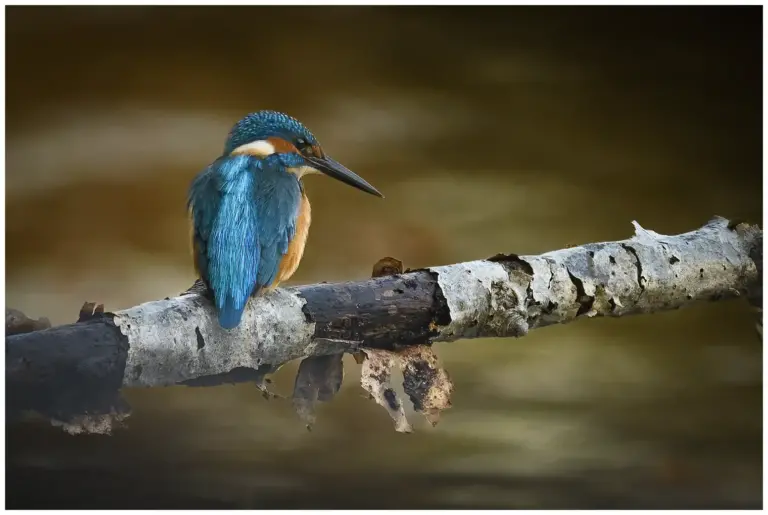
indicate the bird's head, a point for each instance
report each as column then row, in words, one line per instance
column 265, row 133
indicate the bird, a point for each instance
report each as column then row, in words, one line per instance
column 250, row 214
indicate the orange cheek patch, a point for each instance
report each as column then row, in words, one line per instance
column 282, row 146
column 317, row 151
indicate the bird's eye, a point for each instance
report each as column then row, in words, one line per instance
column 301, row 142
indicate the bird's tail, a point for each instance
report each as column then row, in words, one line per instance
column 230, row 314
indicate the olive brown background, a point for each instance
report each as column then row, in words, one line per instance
column 489, row 130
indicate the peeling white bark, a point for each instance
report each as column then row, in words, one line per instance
column 646, row 273
column 469, row 292
column 178, row 339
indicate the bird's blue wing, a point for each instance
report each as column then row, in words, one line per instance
column 203, row 203
column 226, row 232
column 277, row 199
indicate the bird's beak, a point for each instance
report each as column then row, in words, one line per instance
column 338, row 171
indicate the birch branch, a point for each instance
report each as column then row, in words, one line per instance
column 79, row 368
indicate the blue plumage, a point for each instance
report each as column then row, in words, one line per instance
column 244, row 213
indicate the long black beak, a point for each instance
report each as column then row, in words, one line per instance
column 338, row 171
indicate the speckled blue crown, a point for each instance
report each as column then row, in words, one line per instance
column 264, row 124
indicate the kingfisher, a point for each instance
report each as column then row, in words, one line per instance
column 250, row 214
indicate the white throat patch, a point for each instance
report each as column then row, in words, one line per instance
column 301, row 171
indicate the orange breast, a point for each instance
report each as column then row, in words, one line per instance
column 291, row 259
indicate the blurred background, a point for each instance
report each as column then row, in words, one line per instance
column 489, row 130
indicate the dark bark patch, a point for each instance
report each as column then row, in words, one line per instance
column 512, row 262
column 67, row 371
column 417, row 381
column 391, row 398
column 362, row 311
column 200, row 339
column 585, row 301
